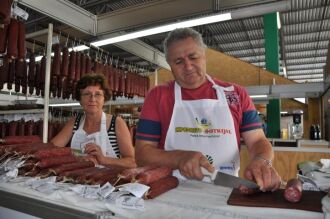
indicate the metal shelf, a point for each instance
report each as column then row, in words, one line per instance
column 23, row 111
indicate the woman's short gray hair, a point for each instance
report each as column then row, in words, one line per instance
column 182, row 34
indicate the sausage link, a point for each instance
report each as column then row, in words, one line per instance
column 21, row 40
column 9, row 140
column 5, row 11
column 55, row 161
column 11, row 74
column 53, row 152
column 161, row 186
column 65, row 62
column 4, row 69
column 153, row 175
column 72, row 65
column 12, row 38
column 3, row 38
column 293, row 190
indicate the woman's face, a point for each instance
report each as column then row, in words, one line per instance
column 92, row 99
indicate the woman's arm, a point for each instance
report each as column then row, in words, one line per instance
column 64, row 136
column 125, row 147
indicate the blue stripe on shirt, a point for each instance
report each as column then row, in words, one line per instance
column 250, row 117
column 149, row 127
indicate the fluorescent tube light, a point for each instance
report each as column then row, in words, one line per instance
column 164, row 28
column 301, row 100
column 284, row 112
column 64, row 104
column 258, row 96
column 278, row 20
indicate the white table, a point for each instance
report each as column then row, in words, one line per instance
column 191, row 200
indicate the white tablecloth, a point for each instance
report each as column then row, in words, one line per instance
column 192, row 199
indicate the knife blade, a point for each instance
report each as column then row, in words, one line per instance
column 227, row 180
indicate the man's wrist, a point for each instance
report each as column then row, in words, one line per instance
column 267, row 161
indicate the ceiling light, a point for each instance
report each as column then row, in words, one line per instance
column 164, row 28
column 258, row 96
column 284, row 72
column 301, row 100
column 284, row 112
column 278, row 20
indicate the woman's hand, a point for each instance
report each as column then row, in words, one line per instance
column 95, row 151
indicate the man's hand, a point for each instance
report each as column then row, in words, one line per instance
column 190, row 164
column 263, row 174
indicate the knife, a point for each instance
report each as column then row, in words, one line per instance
column 227, row 180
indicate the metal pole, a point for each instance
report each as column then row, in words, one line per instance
column 47, row 82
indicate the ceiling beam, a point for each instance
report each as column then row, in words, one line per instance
column 288, row 90
column 65, row 12
column 146, row 14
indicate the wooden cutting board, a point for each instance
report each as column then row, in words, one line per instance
column 310, row 201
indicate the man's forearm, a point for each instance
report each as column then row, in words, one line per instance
column 263, row 149
column 150, row 155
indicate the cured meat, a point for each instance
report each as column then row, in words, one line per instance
column 31, row 73
column 20, row 139
column 72, row 65
column 19, row 71
column 71, row 166
column 130, row 174
column 56, row 65
column 12, row 38
column 65, row 62
column 161, row 186
column 293, row 190
column 53, row 152
column 4, row 69
column 153, row 175
column 21, row 40
column 5, row 11
column 37, row 79
column 11, row 74
column 247, row 191
column 78, row 66
column 3, row 38
column 71, row 175
column 54, row 161
column 24, row 78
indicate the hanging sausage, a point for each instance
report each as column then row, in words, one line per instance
column 31, row 73
column 3, row 38
column 5, row 10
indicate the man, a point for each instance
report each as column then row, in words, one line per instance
column 196, row 122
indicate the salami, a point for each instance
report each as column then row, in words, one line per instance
column 5, row 11
column 3, row 38
column 53, row 152
column 13, row 38
column 153, row 175
column 130, row 174
column 161, row 186
column 71, row 166
column 21, row 48
column 54, row 161
column 20, row 139
column 293, row 190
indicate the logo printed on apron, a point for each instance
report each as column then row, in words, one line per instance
column 204, row 125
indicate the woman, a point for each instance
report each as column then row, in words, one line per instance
column 105, row 137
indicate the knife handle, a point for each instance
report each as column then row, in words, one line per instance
column 208, row 174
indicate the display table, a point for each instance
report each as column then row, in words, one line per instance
column 192, row 199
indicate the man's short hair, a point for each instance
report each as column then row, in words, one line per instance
column 182, row 34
